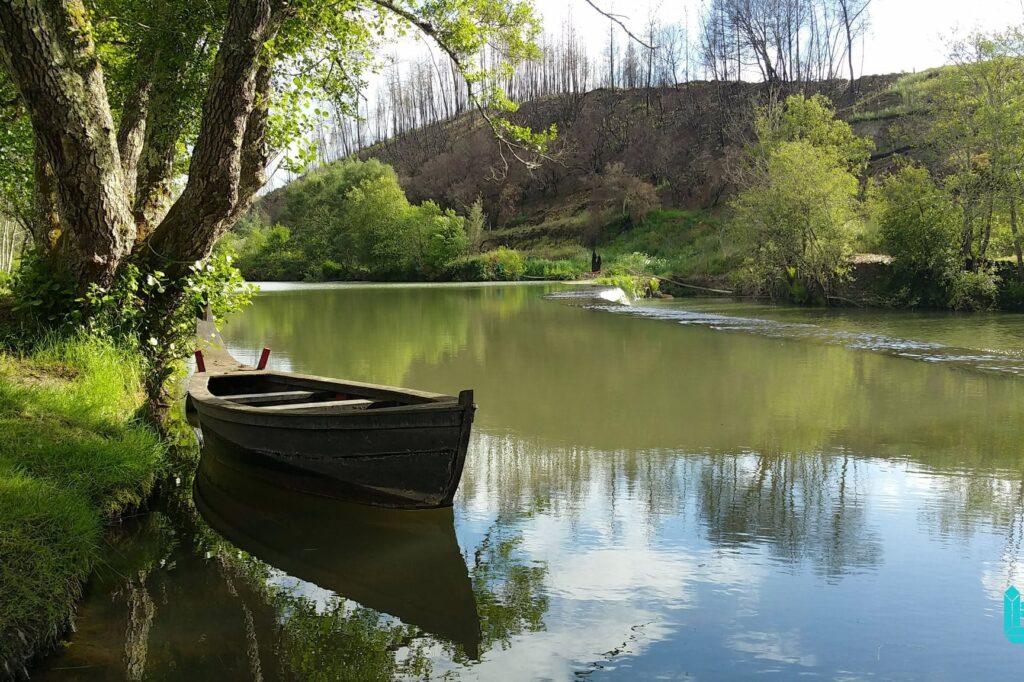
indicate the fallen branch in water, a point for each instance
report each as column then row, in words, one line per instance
column 845, row 300
column 690, row 286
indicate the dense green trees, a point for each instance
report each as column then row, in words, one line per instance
column 798, row 212
column 973, row 138
column 348, row 221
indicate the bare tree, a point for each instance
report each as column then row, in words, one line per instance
column 854, row 16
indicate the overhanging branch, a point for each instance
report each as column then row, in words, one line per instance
column 618, row 20
column 515, row 148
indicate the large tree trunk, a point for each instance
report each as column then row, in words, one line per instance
column 48, row 52
column 45, row 225
column 132, row 133
column 215, row 188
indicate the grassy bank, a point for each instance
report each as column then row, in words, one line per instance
column 72, row 456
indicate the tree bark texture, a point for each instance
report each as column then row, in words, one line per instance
column 45, row 224
column 132, row 132
column 49, row 53
column 215, row 189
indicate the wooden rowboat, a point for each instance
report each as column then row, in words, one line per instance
column 381, row 445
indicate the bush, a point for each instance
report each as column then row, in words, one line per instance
column 1011, row 295
column 500, row 265
column 269, row 254
column 919, row 226
column 795, row 222
column 636, row 263
column 562, row 269
column 634, row 286
column 441, row 238
column 974, row 290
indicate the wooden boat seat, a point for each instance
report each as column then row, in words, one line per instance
column 346, row 404
column 279, row 396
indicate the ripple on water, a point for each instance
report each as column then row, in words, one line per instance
column 925, row 351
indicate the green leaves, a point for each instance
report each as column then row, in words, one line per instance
column 812, row 120
column 352, row 220
column 798, row 210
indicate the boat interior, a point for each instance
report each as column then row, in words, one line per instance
column 276, row 392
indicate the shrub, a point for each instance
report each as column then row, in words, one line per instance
column 634, row 286
column 974, row 290
column 636, row 263
column 919, row 226
column 795, row 222
column 617, row 194
column 1011, row 295
column 441, row 239
column 562, row 269
column 270, row 254
column 502, row 265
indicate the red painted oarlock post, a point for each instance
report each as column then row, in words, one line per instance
column 200, row 364
column 264, row 357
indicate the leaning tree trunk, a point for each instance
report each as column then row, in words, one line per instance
column 48, row 51
column 221, row 179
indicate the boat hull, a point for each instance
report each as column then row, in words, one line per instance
column 400, row 457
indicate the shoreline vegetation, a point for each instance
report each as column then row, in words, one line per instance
column 908, row 198
column 74, row 457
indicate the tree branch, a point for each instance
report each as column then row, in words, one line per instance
column 255, row 152
column 515, row 148
column 132, row 132
column 616, row 18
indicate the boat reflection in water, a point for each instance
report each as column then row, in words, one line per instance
column 403, row 563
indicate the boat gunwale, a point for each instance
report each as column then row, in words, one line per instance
column 199, row 392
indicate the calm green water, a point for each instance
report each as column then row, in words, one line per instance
column 697, row 490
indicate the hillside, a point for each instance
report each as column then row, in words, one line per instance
column 679, row 139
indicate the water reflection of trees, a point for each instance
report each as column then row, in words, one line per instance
column 510, row 596
column 373, row 333
column 179, row 599
column 801, row 506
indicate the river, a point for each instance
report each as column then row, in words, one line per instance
column 694, row 489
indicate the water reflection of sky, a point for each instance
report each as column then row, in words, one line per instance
column 661, row 586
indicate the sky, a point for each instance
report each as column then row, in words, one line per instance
column 905, row 35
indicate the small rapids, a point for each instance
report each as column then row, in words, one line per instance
column 608, row 300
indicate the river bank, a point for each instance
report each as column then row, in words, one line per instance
column 74, row 457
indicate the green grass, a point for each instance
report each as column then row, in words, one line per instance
column 912, row 91
column 72, row 455
column 684, row 243
column 667, row 242
column 556, row 269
